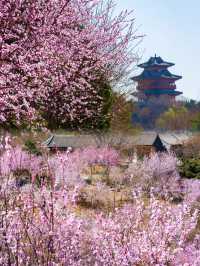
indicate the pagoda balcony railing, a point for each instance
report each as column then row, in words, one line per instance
column 163, row 86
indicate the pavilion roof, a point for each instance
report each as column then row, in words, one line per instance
column 145, row 138
column 83, row 141
column 156, row 61
column 162, row 91
column 174, row 138
column 65, row 141
column 155, row 74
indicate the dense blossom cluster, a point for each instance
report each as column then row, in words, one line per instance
column 67, row 167
column 55, row 56
column 41, row 230
column 16, row 159
column 159, row 171
column 39, row 227
column 146, row 235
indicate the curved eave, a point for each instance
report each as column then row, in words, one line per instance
column 176, row 77
column 147, row 65
column 48, row 142
column 140, row 77
column 162, row 92
column 156, row 61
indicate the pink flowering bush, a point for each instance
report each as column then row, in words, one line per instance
column 68, row 167
column 37, row 228
column 191, row 188
column 160, row 171
column 145, row 235
column 190, row 254
column 15, row 159
column 40, row 225
column 63, row 170
column 103, row 155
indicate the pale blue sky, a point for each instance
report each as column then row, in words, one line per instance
column 172, row 29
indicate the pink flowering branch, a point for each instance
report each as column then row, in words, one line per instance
column 55, row 56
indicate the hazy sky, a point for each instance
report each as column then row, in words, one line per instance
column 172, row 29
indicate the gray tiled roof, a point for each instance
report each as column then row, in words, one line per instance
column 175, row 138
column 145, row 138
column 80, row 141
column 65, row 141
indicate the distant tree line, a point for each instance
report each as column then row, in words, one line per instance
column 159, row 115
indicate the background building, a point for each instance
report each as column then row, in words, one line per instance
column 156, row 82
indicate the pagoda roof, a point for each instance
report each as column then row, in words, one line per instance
column 156, row 61
column 162, row 91
column 156, row 74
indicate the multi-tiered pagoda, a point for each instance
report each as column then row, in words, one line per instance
column 156, row 81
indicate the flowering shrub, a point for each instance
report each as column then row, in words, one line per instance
column 104, row 156
column 67, row 167
column 38, row 229
column 192, row 190
column 15, row 159
column 39, row 225
column 158, row 171
column 145, row 235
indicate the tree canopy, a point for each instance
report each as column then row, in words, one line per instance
column 54, row 56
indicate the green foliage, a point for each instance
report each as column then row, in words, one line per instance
column 31, row 147
column 196, row 122
column 106, row 93
column 190, row 168
column 100, row 122
column 121, row 113
column 175, row 118
column 192, row 105
column 147, row 112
